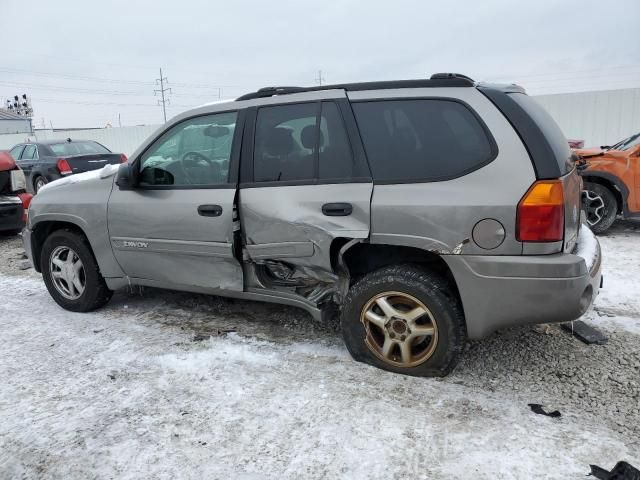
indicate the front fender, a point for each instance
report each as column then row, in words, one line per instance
column 80, row 202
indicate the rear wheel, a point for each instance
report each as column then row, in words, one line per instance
column 38, row 183
column 599, row 205
column 71, row 273
column 404, row 319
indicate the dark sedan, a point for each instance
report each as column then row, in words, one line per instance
column 43, row 162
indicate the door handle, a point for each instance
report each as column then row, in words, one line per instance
column 337, row 209
column 210, row 210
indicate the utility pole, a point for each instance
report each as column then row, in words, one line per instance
column 319, row 78
column 161, row 81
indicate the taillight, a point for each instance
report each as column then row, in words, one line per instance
column 123, row 158
column 540, row 216
column 63, row 167
column 25, row 198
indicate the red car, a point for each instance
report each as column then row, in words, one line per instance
column 14, row 199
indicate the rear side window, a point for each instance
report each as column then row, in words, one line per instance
column 303, row 142
column 69, row 149
column 549, row 128
column 422, row 140
column 285, row 143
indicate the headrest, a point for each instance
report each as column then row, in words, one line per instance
column 278, row 141
column 308, row 137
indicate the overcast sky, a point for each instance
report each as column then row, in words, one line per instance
column 84, row 62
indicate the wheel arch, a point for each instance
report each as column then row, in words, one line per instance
column 43, row 229
column 362, row 257
column 613, row 183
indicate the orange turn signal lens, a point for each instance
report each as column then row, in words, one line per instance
column 540, row 215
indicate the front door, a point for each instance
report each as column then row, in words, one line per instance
column 303, row 185
column 176, row 228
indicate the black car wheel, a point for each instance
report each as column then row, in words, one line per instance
column 599, row 205
column 71, row 272
column 38, row 183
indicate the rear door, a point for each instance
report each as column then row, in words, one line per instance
column 304, row 183
column 176, row 228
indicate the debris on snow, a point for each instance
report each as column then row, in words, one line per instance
column 622, row 471
column 585, row 333
column 537, row 408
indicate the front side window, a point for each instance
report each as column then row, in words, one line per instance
column 16, row 151
column 194, row 152
column 30, row 153
column 421, row 140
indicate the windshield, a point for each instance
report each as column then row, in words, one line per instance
column 69, row 149
column 629, row 142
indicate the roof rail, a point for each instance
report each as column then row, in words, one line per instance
column 443, row 76
column 436, row 80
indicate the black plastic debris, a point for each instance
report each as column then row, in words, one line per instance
column 622, row 471
column 200, row 338
column 585, row 333
column 536, row 408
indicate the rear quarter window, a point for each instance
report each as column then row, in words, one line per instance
column 422, row 140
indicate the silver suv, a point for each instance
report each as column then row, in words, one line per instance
column 424, row 212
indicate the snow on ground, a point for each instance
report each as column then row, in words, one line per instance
column 171, row 385
column 618, row 304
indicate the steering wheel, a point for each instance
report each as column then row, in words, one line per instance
column 192, row 158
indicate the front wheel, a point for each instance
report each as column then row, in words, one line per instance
column 71, row 273
column 404, row 319
column 599, row 205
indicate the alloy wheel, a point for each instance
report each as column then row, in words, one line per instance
column 67, row 272
column 593, row 205
column 40, row 182
column 400, row 329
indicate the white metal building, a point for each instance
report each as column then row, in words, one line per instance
column 599, row 118
column 13, row 123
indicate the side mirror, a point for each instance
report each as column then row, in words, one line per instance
column 156, row 176
column 125, row 178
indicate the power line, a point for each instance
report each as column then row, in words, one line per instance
column 70, row 89
column 162, row 81
column 73, row 77
column 319, row 79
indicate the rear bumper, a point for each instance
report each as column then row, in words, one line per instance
column 11, row 213
column 26, row 243
column 503, row 291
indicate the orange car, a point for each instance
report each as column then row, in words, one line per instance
column 611, row 177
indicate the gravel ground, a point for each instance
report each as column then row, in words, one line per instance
column 484, row 402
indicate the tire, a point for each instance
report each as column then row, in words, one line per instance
column 95, row 293
column 10, row 233
column 600, row 206
column 404, row 285
column 38, row 183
